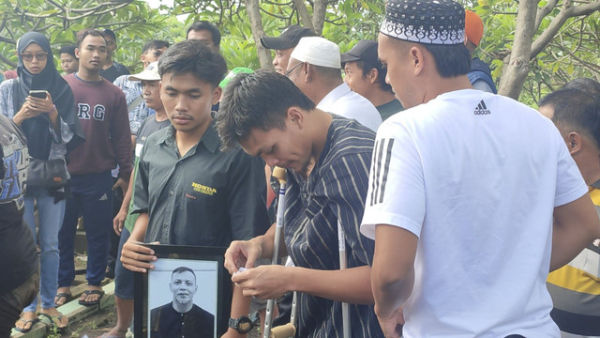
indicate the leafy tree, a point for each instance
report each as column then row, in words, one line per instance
column 132, row 20
column 538, row 47
column 533, row 46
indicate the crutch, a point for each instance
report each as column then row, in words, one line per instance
column 343, row 266
column 280, row 175
column 288, row 330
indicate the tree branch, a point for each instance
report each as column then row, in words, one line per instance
column 515, row 72
column 566, row 12
column 303, row 13
column 253, row 10
column 11, row 64
column 542, row 12
column 319, row 11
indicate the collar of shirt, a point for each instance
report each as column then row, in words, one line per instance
column 210, row 139
column 328, row 102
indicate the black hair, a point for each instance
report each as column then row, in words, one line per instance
column 155, row 44
column 183, row 269
column 203, row 25
column 195, row 57
column 587, row 85
column 366, row 66
column 257, row 101
column 69, row 49
column 576, row 108
column 450, row 60
column 82, row 34
column 111, row 33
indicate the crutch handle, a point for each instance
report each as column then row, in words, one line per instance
column 284, row 331
column 279, row 173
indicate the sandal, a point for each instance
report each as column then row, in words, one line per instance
column 87, row 293
column 67, row 296
column 54, row 321
column 26, row 329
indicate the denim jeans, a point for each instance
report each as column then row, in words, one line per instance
column 92, row 198
column 51, row 219
column 124, row 288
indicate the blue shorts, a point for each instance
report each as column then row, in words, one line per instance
column 123, row 277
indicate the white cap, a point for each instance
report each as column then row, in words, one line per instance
column 148, row 74
column 317, row 51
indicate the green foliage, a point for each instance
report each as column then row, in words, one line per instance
column 132, row 20
column 573, row 53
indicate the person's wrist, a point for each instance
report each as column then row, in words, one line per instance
column 17, row 119
column 292, row 279
column 258, row 242
column 231, row 332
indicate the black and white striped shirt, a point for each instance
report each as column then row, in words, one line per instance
column 334, row 191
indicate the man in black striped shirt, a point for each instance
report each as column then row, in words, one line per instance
column 328, row 160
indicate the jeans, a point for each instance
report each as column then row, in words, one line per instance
column 92, row 198
column 51, row 219
column 123, row 278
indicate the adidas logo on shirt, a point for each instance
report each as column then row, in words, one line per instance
column 481, row 109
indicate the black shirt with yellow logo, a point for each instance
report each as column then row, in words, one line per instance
column 205, row 198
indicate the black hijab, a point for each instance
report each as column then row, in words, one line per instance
column 37, row 129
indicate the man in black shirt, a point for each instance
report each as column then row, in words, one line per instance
column 188, row 192
column 365, row 75
column 18, row 257
column 181, row 317
column 112, row 69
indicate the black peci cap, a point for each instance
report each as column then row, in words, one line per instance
column 288, row 39
column 364, row 50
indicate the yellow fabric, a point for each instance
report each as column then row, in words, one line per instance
column 571, row 278
column 595, row 195
column 574, row 279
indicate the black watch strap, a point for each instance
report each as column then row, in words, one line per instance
column 244, row 324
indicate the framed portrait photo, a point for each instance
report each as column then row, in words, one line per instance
column 184, row 295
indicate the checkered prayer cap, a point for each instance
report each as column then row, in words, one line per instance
column 436, row 22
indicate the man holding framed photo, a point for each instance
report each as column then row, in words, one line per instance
column 187, row 191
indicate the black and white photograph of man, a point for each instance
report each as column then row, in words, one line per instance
column 182, row 312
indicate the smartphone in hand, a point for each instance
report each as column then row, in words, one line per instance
column 42, row 94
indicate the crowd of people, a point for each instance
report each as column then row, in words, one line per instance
column 461, row 212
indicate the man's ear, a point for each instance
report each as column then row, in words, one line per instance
column 295, row 116
column 216, row 95
column 417, row 57
column 307, row 71
column 372, row 75
column 77, row 53
column 574, row 142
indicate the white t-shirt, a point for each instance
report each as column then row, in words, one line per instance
column 344, row 102
column 476, row 177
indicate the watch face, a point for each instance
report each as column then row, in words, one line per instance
column 245, row 325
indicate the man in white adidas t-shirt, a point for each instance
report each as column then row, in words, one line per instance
column 462, row 193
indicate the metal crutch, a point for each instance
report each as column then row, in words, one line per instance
column 280, row 175
column 289, row 330
column 343, row 266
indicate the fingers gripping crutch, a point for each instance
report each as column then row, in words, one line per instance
column 280, row 175
column 343, row 266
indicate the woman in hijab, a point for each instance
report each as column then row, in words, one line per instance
column 52, row 128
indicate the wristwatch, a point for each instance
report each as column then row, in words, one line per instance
column 244, row 324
